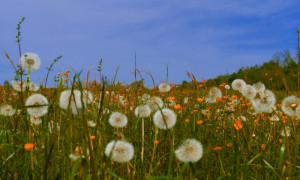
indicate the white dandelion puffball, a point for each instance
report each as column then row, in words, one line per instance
column 249, row 92
column 30, row 61
column 274, row 118
column 66, row 98
column 213, row 94
column 266, row 103
column 17, row 85
column 227, row 87
column 190, row 151
column 287, row 130
column 142, row 111
column 91, row 123
column 117, row 119
column 186, row 100
column 35, row 120
column 155, row 103
column 87, row 97
column 164, row 87
column 238, row 85
column 260, row 87
column 119, row 151
column 33, row 87
column 7, row 110
column 41, row 104
column 290, row 105
column 166, row 117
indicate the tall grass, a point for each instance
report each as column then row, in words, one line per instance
column 255, row 149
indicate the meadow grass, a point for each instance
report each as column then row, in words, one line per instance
column 238, row 142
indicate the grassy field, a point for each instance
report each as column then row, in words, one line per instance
column 72, row 130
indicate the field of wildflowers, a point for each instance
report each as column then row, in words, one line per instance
column 82, row 129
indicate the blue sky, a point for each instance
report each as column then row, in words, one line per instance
column 205, row 37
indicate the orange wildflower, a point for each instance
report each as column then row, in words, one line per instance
column 200, row 122
column 93, row 137
column 238, row 124
column 263, row 147
column 187, row 120
column 29, row 146
column 67, row 72
column 195, row 110
column 66, row 79
column 200, row 85
column 280, row 140
column 59, row 74
column 89, row 111
column 249, row 104
column 217, row 148
column 200, row 99
column 234, row 96
column 228, row 144
column 172, row 98
column 156, row 142
column 224, row 97
column 177, row 106
column 219, row 99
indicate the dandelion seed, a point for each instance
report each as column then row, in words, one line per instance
column 119, row 151
column 66, row 97
column 7, row 110
column 91, row 123
column 288, row 132
column 142, row 111
column 17, row 85
column 165, row 119
column 30, row 61
column 290, row 106
column 35, row 120
column 238, row 85
column 227, row 87
column 214, row 93
column 164, row 87
column 118, row 120
column 266, row 103
column 190, row 151
column 249, row 92
column 33, row 87
column 260, row 87
column 37, row 100
column 155, row 103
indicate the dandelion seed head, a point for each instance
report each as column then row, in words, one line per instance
column 35, row 120
column 238, row 85
column 190, row 151
column 249, row 92
column 164, row 87
column 17, row 85
column 117, row 119
column 155, row 103
column 30, row 61
column 266, row 103
column 7, row 110
column 66, row 97
column 119, row 151
column 260, row 87
column 33, row 87
column 142, row 111
column 227, row 87
column 291, row 105
column 41, row 104
column 213, row 94
column 166, row 117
